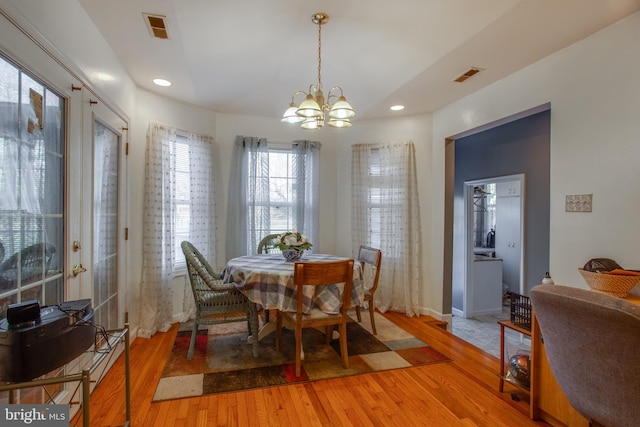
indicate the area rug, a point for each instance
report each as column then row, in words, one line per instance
column 223, row 362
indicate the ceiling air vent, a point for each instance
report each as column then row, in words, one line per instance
column 156, row 25
column 467, row 74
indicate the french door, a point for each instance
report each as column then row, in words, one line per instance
column 102, row 230
column 62, row 154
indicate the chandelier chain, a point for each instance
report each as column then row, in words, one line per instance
column 319, row 54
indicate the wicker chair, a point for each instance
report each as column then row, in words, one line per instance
column 216, row 302
column 34, row 264
column 269, row 245
column 373, row 258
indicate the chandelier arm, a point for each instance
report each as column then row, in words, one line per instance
column 332, row 95
column 298, row 92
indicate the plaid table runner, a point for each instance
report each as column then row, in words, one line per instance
column 268, row 280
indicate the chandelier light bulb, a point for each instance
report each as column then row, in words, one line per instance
column 341, row 109
column 339, row 123
column 290, row 115
column 309, row 107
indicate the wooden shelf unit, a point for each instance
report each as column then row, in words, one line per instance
column 509, row 325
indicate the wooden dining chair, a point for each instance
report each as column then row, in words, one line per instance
column 372, row 258
column 319, row 274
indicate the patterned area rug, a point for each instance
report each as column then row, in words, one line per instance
column 223, row 361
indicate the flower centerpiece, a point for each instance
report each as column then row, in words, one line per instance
column 293, row 244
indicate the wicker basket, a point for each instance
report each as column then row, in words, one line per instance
column 612, row 284
column 520, row 310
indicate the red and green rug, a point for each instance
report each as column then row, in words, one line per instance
column 223, row 362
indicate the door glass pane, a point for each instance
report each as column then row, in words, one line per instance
column 31, row 185
column 105, row 228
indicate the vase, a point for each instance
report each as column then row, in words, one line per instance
column 291, row 255
column 547, row 280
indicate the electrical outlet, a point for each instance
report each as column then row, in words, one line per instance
column 578, row 203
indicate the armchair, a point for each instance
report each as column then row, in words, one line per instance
column 216, row 302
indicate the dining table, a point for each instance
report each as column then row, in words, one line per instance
column 267, row 280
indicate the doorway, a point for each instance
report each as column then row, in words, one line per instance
column 515, row 145
column 494, row 218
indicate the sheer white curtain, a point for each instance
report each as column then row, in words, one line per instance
column 306, row 171
column 386, row 214
column 164, row 216
column 248, row 204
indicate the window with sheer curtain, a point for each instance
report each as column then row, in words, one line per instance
column 277, row 188
column 179, row 205
column 386, row 215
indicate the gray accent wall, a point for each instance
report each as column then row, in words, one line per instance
column 521, row 146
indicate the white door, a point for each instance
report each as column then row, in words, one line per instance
column 508, row 232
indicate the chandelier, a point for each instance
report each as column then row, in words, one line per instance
column 312, row 111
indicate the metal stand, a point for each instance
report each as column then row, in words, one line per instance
column 84, row 378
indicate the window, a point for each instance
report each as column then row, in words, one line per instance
column 278, row 185
column 190, row 166
column 278, row 203
column 31, row 183
column 183, row 194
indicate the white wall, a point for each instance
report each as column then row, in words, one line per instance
column 595, row 145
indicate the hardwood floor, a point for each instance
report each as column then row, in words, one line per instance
column 460, row 393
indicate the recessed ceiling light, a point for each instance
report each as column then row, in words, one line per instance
column 162, row 82
column 397, row 107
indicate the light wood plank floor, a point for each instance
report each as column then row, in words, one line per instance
column 459, row 393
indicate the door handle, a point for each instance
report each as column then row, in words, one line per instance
column 77, row 269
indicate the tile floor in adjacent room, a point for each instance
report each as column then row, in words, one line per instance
column 484, row 333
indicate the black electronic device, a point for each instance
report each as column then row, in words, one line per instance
column 60, row 334
column 22, row 312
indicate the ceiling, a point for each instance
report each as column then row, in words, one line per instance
column 250, row 56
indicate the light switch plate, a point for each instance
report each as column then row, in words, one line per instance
column 578, row 203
